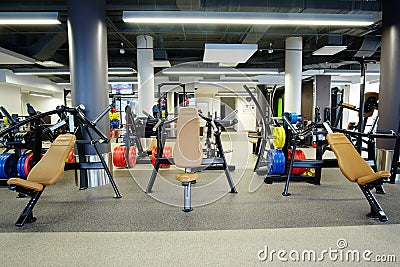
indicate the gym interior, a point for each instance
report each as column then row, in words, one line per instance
column 199, row 133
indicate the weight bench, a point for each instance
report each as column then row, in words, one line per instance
column 187, row 151
column 46, row 172
column 357, row 170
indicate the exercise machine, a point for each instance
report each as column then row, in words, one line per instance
column 77, row 123
column 205, row 164
column 45, row 173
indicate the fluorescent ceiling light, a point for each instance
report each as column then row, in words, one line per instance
column 49, row 64
column 329, row 50
column 42, row 72
column 246, row 18
column 229, row 54
column 233, row 94
column 219, row 71
column 161, row 63
column 121, row 71
column 40, row 94
column 111, row 71
column 123, row 82
column 29, row 18
column 337, row 72
column 110, row 82
column 340, row 82
column 227, row 82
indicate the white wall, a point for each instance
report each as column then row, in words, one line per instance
column 246, row 115
column 10, row 98
column 14, row 101
column 42, row 104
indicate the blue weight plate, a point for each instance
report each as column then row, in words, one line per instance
column 276, row 162
column 272, row 156
column 10, row 167
column 281, row 166
column 293, row 117
column 283, row 162
column 2, row 161
column 20, row 166
column 3, row 165
column 1, row 171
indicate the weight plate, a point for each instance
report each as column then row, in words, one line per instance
column 3, row 165
column 282, row 162
column 280, row 137
column 271, row 155
column 27, row 164
column 2, row 159
column 132, row 156
column 9, row 166
column 20, row 165
column 293, row 117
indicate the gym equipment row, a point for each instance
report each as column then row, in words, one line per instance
column 49, row 169
column 353, row 166
column 71, row 120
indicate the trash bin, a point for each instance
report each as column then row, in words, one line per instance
column 96, row 177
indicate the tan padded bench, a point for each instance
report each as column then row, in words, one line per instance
column 46, row 172
column 357, row 170
column 187, row 150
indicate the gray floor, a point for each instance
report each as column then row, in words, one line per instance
column 91, row 227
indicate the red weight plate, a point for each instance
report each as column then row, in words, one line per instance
column 132, row 156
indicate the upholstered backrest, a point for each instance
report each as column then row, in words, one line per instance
column 49, row 169
column 352, row 165
column 187, row 151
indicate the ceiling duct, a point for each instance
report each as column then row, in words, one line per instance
column 369, row 46
column 47, row 46
column 331, row 39
column 188, row 5
column 160, row 53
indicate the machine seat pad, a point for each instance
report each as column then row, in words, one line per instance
column 187, row 177
column 372, row 177
column 50, row 167
column 352, row 165
column 25, row 184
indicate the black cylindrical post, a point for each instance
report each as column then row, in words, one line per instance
column 389, row 93
column 87, row 36
column 361, row 108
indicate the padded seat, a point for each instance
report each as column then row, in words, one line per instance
column 357, row 170
column 187, row 151
column 187, row 177
column 352, row 165
column 46, row 172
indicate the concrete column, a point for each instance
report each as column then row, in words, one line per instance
column 322, row 93
column 87, row 37
column 389, row 93
column 293, row 70
column 145, row 73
